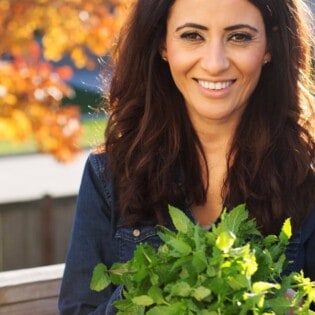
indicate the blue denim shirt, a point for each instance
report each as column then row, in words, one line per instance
column 98, row 236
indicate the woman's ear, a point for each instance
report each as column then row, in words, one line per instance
column 163, row 52
column 268, row 55
column 267, row 58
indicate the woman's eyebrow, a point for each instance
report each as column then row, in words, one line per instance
column 239, row 26
column 194, row 25
column 228, row 28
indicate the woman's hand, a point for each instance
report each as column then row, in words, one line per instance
column 290, row 295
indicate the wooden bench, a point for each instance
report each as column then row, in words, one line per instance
column 32, row 291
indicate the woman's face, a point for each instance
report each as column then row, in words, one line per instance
column 215, row 51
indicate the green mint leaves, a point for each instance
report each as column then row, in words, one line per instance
column 229, row 270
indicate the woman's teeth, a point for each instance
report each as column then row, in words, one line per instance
column 215, row 85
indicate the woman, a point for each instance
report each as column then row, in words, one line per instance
column 209, row 108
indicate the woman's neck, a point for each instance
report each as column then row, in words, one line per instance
column 216, row 143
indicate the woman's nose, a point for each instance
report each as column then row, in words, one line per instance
column 214, row 57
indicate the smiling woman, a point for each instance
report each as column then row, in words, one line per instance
column 216, row 64
column 210, row 106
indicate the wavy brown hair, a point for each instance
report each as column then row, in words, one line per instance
column 152, row 147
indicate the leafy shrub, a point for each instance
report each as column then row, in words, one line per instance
column 231, row 269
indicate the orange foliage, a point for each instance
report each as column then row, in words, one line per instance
column 31, row 89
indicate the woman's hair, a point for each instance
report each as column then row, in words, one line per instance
column 154, row 152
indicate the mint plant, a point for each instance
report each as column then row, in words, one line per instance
column 231, row 269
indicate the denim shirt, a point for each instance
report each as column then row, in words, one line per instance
column 98, row 236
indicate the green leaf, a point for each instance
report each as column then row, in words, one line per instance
column 286, row 232
column 199, row 261
column 250, row 266
column 218, row 285
column 158, row 310
column 270, row 240
column 144, row 300
column 211, row 271
column 280, row 305
column 233, row 219
column 179, row 219
column 180, row 288
column 116, row 272
column 143, row 253
column 180, row 247
column 181, row 262
column 261, row 286
column 225, row 241
column 173, row 309
column 251, row 303
column 279, row 265
column 197, row 236
column 156, row 294
column 126, row 307
column 100, row 278
column 238, row 281
column 141, row 274
column 201, row 293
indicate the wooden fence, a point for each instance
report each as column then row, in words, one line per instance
column 35, row 233
column 31, row 291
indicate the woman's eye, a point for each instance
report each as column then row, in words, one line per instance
column 192, row 36
column 241, row 37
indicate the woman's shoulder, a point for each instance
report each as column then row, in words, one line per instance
column 96, row 175
column 98, row 159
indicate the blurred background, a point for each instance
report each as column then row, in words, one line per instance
column 53, row 76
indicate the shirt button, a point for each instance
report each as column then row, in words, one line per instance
column 136, row 233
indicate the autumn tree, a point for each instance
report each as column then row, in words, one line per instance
column 33, row 33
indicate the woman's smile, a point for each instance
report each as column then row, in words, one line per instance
column 215, row 89
column 218, row 85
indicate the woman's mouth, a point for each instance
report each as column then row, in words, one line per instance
column 218, row 85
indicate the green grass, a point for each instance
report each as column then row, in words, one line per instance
column 92, row 135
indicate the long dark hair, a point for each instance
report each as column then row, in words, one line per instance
column 154, row 152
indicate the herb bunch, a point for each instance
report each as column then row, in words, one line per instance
column 231, row 269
